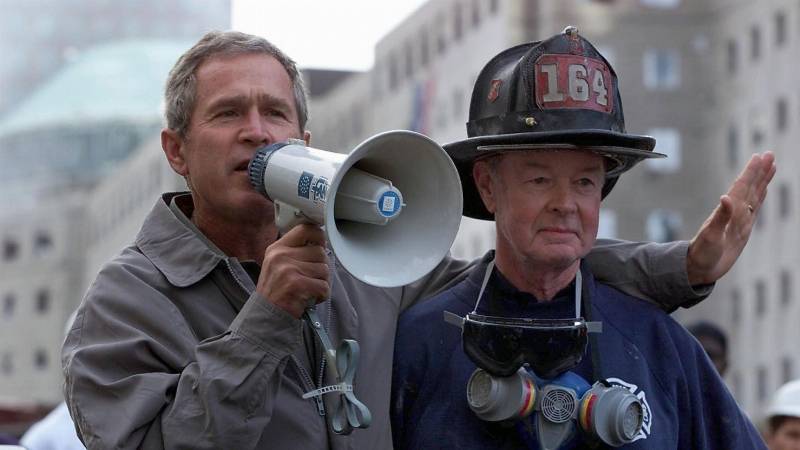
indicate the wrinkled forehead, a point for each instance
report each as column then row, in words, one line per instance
column 558, row 160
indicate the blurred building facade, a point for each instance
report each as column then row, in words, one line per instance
column 38, row 37
column 712, row 80
column 87, row 118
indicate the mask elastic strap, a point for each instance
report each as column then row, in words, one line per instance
column 488, row 274
column 578, row 290
column 594, row 329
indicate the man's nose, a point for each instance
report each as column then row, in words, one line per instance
column 255, row 130
column 561, row 199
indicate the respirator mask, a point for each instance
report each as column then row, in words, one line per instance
column 524, row 369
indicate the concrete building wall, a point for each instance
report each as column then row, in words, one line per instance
column 41, row 266
column 755, row 73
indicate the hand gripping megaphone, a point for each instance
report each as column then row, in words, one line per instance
column 391, row 210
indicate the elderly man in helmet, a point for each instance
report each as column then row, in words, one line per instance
column 783, row 418
column 548, row 356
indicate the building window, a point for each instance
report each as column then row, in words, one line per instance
column 441, row 38
column 733, row 147
column 786, row 287
column 663, row 225
column 409, row 61
column 662, row 69
column 393, row 75
column 661, row 4
column 9, row 305
column 40, row 359
column 7, row 364
column 458, row 22
column 758, row 137
column 762, row 384
column 787, row 372
column 761, row 220
column 424, row 48
column 10, row 249
column 781, row 114
column 42, row 301
column 780, row 28
column 784, row 201
column 736, row 306
column 755, row 43
column 476, row 13
column 761, row 298
column 42, row 243
column 607, row 227
column 668, row 142
column 733, row 56
column 458, row 104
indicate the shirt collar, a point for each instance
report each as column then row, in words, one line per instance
column 174, row 245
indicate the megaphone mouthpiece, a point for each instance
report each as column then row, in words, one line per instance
column 367, row 198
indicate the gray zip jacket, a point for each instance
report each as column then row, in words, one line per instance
column 173, row 349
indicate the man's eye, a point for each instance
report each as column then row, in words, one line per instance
column 227, row 113
column 586, row 182
column 275, row 113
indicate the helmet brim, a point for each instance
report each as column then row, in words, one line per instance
column 625, row 149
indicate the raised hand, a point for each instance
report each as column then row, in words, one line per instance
column 721, row 239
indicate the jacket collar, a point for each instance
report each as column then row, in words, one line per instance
column 174, row 248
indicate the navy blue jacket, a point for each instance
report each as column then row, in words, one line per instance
column 687, row 404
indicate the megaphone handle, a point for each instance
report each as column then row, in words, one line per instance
column 287, row 217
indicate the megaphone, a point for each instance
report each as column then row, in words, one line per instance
column 391, row 207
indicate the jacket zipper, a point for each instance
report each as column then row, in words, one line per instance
column 309, row 384
column 321, row 377
column 305, row 377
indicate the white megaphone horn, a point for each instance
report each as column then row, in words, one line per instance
column 391, row 207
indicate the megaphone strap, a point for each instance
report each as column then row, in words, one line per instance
column 351, row 413
column 341, row 387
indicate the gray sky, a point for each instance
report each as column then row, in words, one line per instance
column 331, row 34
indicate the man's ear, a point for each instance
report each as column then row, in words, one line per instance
column 307, row 137
column 482, row 174
column 172, row 144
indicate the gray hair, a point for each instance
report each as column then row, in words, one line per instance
column 181, row 90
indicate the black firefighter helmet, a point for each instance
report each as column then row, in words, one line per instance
column 560, row 93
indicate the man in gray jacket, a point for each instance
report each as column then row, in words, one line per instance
column 191, row 337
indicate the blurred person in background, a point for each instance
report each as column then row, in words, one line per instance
column 714, row 342
column 783, row 418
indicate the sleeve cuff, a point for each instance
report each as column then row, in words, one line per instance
column 684, row 294
column 269, row 327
